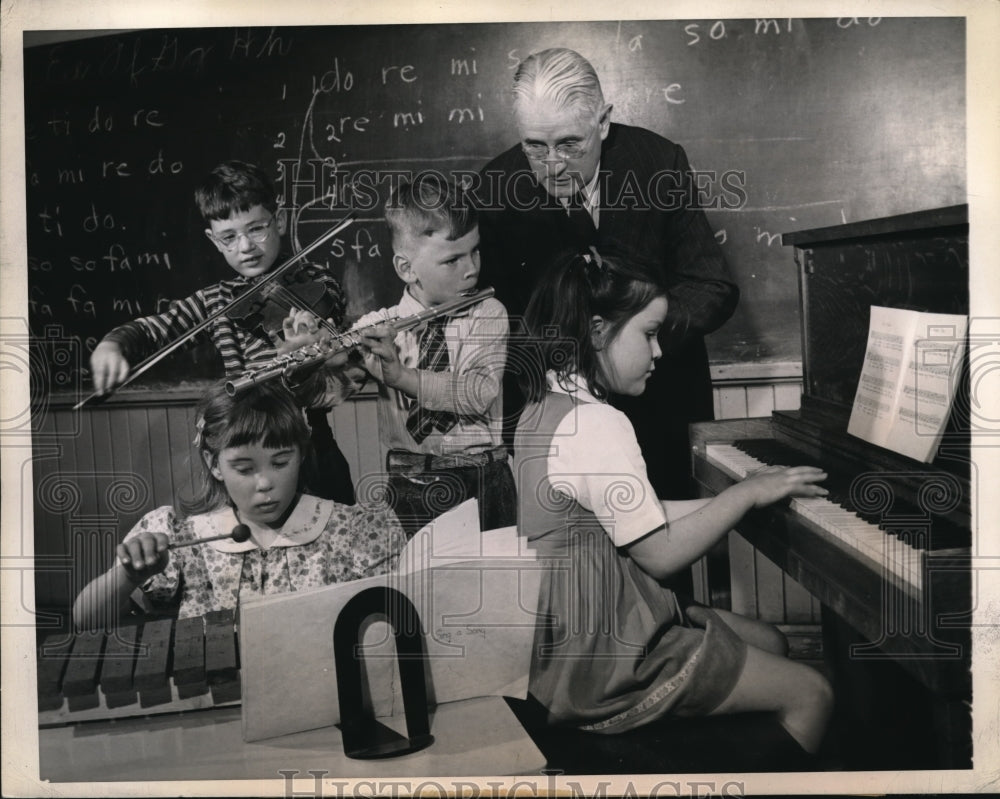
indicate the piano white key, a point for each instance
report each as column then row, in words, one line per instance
column 899, row 562
column 902, row 557
column 913, row 560
column 853, row 530
column 839, row 522
column 732, row 460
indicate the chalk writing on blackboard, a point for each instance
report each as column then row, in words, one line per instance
column 695, row 31
column 120, row 128
column 847, row 22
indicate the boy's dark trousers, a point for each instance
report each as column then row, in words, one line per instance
column 422, row 487
column 328, row 474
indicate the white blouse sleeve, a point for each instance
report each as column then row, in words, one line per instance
column 595, row 459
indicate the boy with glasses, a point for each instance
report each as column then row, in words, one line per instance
column 239, row 205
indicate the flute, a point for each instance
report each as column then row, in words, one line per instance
column 284, row 366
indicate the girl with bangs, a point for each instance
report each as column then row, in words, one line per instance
column 252, row 447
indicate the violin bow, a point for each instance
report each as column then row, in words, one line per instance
column 269, row 278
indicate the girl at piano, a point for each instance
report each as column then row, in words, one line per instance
column 250, row 529
column 618, row 649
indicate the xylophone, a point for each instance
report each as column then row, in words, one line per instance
column 160, row 666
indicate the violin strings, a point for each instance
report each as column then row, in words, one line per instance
column 292, row 301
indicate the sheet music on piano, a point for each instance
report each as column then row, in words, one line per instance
column 908, row 380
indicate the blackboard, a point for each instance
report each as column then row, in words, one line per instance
column 824, row 121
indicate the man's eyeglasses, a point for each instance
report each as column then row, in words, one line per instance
column 565, row 151
column 257, row 233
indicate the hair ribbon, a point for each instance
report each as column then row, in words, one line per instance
column 593, row 258
column 199, row 426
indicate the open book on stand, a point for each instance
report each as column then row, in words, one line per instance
column 907, row 385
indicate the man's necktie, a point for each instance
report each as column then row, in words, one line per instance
column 433, row 358
column 581, row 221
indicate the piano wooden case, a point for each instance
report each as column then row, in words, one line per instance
column 888, row 555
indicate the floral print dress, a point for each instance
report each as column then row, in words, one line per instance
column 322, row 542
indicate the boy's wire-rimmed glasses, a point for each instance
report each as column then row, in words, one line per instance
column 257, row 233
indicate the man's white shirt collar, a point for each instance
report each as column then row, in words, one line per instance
column 591, row 197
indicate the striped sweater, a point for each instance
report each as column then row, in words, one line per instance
column 237, row 343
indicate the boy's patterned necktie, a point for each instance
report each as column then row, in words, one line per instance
column 433, row 358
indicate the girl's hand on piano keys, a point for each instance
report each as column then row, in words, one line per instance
column 144, row 555
column 775, row 483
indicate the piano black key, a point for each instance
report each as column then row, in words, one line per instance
column 898, row 562
column 943, row 533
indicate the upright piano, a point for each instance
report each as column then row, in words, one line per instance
column 887, row 554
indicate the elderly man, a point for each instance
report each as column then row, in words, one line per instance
column 577, row 179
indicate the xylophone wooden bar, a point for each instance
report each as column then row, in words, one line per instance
column 83, row 665
column 189, row 653
column 52, row 658
column 116, row 667
column 221, row 663
column 220, row 646
column 158, row 666
column 151, row 667
column 82, row 668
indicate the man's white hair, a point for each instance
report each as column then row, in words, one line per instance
column 561, row 77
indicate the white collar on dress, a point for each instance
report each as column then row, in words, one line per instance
column 304, row 525
column 573, row 385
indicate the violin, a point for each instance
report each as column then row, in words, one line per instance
column 261, row 298
column 269, row 306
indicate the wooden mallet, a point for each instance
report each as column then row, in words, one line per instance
column 239, row 534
